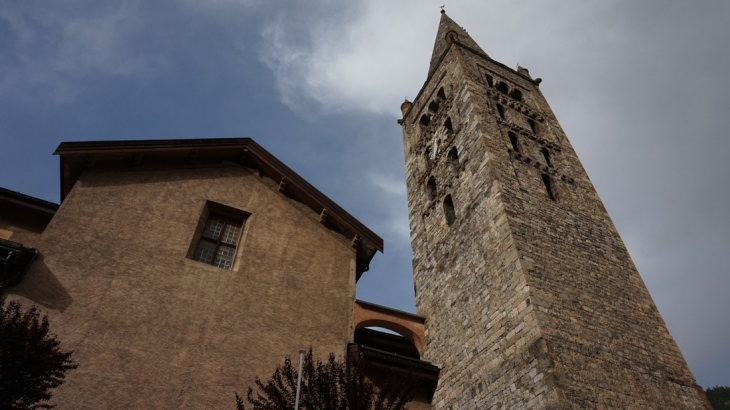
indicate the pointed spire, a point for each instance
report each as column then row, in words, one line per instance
column 449, row 32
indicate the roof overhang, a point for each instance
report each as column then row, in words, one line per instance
column 164, row 154
column 27, row 209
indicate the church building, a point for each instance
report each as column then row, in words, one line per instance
column 179, row 270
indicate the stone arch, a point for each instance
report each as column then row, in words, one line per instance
column 433, row 107
column 502, row 87
column 406, row 324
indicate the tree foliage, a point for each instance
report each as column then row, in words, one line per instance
column 719, row 397
column 329, row 385
column 31, row 360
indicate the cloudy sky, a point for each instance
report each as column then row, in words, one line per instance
column 641, row 89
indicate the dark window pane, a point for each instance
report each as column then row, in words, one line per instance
column 224, row 257
column 204, row 252
column 231, row 233
column 214, row 226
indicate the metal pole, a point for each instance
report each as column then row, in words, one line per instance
column 299, row 378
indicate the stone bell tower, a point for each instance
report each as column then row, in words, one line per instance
column 530, row 297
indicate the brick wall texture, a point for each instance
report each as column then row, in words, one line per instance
column 152, row 328
column 529, row 302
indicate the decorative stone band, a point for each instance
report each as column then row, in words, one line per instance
column 537, row 164
column 516, row 128
column 514, row 104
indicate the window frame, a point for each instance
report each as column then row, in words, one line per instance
column 230, row 215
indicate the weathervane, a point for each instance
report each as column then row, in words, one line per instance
column 442, row 9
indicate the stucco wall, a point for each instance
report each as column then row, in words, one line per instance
column 17, row 228
column 151, row 328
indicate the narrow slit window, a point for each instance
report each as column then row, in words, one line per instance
column 500, row 110
column 453, row 155
column 490, row 80
column 449, row 212
column 513, row 141
column 533, row 125
column 453, row 158
column 431, row 188
column 546, row 154
column 441, row 94
column 549, row 186
column 447, row 124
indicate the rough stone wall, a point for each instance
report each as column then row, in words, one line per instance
column 469, row 284
column 151, row 328
column 530, row 302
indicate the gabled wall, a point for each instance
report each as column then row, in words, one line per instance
column 151, row 328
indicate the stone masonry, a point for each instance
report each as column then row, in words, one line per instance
column 530, row 297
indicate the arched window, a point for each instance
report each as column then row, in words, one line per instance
column 453, row 158
column 546, row 154
column 447, row 124
column 453, row 155
column 433, row 107
column 513, row 141
column 533, row 126
column 425, row 119
column 502, row 87
column 449, row 212
column 490, row 80
column 500, row 110
column 441, row 94
column 516, row 94
column 549, row 186
column 431, row 187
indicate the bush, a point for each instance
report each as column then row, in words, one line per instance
column 330, row 385
column 31, row 361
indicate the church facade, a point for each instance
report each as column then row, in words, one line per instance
column 179, row 270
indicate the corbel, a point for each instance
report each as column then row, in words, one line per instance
column 323, row 216
column 356, row 241
column 243, row 156
column 282, row 184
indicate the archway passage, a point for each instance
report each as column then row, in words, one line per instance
column 408, row 325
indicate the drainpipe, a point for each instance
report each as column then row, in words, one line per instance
column 299, row 378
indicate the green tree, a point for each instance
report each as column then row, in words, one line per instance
column 329, row 385
column 719, row 397
column 31, row 360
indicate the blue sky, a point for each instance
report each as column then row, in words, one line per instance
column 640, row 89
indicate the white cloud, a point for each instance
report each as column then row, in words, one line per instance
column 363, row 60
column 392, row 193
column 374, row 56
